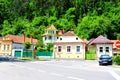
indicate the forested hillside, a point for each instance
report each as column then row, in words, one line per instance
column 88, row 18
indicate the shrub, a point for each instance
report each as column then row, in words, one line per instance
column 116, row 60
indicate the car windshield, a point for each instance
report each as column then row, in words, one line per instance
column 105, row 56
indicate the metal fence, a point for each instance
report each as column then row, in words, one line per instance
column 30, row 54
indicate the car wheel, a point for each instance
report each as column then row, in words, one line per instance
column 110, row 63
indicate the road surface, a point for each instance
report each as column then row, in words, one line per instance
column 57, row 70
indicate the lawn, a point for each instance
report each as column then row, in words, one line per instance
column 90, row 56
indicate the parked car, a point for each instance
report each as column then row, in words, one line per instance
column 7, row 58
column 105, row 59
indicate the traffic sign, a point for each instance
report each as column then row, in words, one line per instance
column 118, row 44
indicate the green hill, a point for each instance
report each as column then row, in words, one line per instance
column 88, row 18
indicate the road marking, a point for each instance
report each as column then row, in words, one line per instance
column 75, row 78
column 115, row 75
column 56, row 74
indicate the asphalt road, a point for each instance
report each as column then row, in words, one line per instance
column 57, row 70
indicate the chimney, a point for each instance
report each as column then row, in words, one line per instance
column 63, row 31
column 31, row 39
column 24, row 38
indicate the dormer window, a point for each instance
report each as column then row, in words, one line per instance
column 60, row 38
column 76, row 38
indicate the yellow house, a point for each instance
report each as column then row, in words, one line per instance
column 69, row 46
column 10, row 42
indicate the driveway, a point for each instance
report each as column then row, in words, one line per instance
column 58, row 70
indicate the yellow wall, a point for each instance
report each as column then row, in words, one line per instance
column 6, row 51
column 71, row 55
column 92, row 48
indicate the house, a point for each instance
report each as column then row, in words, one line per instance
column 116, row 49
column 51, row 34
column 10, row 42
column 100, row 45
column 69, row 46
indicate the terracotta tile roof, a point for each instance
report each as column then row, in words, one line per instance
column 20, row 39
column 69, row 33
column 114, row 43
column 100, row 40
column 52, row 27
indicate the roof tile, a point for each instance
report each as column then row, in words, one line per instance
column 20, row 39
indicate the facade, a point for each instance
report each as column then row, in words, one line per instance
column 69, row 46
column 101, row 45
column 10, row 42
column 51, row 34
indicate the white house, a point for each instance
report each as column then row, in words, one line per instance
column 69, row 46
column 101, row 45
column 51, row 34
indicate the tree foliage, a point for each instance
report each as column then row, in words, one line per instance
column 27, row 45
column 89, row 18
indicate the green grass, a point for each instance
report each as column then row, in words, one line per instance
column 90, row 56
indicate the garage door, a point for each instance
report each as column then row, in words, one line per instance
column 17, row 54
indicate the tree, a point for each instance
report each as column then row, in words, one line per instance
column 49, row 47
column 27, row 45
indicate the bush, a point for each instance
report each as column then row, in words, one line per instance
column 116, row 60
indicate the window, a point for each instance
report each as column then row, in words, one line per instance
column 57, row 37
column 76, row 38
column 53, row 32
column 77, row 48
column 68, row 48
column 45, row 38
column 101, row 49
column 59, row 48
column 50, row 37
column 60, row 38
column 8, row 47
column 4, row 47
column 107, row 49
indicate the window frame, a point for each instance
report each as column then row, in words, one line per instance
column 4, row 47
column 101, row 49
column 77, row 48
column 67, row 49
column 58, row 48
column 8, row 47
column 107, row 49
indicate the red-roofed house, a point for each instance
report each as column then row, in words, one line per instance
column 10, row 42
column 100, row 45
column 69, row 46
